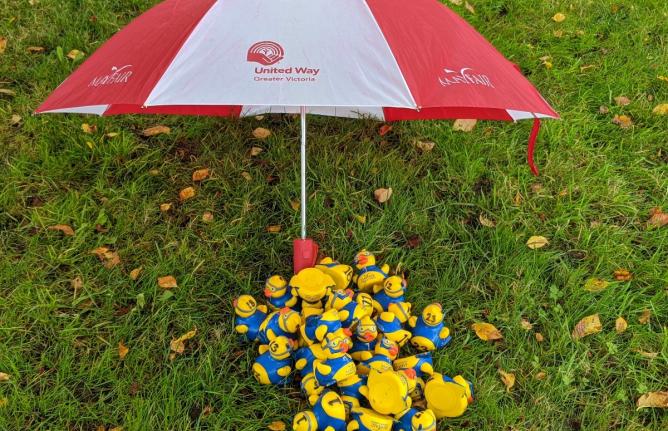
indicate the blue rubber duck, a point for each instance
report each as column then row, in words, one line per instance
column 316, row 327
column 366, row 333
column 369, row 277
column 274, row 364
column 412, row 419
column 422, row 364
column 363, row 419
column 306, row 356
column 428, row 331
column 350, row 390
column 337, row 365
column 283, row 322
column 328, row 414
column 385, row 352
column 351, row 313
column 390, row 326
column 249, row 316
column 279, row 294
column 393, row 291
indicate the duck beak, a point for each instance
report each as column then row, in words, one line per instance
column 470, row 399
column 393, row 350
column 345, row 347
column 368, row 336
column 267, row 293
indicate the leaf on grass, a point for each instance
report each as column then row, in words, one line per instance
column 622, row 275
column 653, row 399
column 464, row 125
column 255, row 151
column 508, row 379
column 541, row 375
column 4, row 377
column 621, row 325
column 537, row 241
column 274, row 228
column 87, row 128
column 134, row 274
column 7, row 92
column 526, row 325
column 539, row 337
column 277, row 426
column 469, row 7
column 76, row 283
column 485, row 221
column 167, row 282
column 657, row 218
column 559, row 17
column 648, row 355
column 35, row 49
column 122, row 350
column 517, row 200
column 65, row 229
column 178, row 345
column 3, row 402
column 108, row 257
column 3, row 44
column 246, row 176
column 623, row 121
column 360, row 218
column 603, row 109
column 384, row 129
column 622, row 101
column 187, row 193
column 587, row 326
column 295, row 204
column 486, row 331
column 595, row 285
column 457, row 2
column 661, row 109
column 382, row 195
column 425, row 146
column 14, row 119
column 201, row 174
column 645, row 317
column 207, row 217
column 75, row 54
column 165, row 207
column 261, row 133
column 155, row 131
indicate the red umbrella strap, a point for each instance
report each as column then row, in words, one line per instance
column 532, row 145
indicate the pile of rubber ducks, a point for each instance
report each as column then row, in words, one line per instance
column 341, row 333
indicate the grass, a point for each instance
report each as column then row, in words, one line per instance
column 592, row 201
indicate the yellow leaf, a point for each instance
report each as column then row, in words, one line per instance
column 595, row 285
column 167, row 282
column 485, row 221
column 116, row 429
column 620, row 325
column 559, row 17
column 622, row 101
column 246, row 176
column 165, row 207
column 122, row 350
column 622, row 275
column 156, row 130
column 3, row 402
column 541, row 375
column 295, row 204
column 464, row 125
column 361, row 218
column 75, row 54
column 469, row 7
column 457, row 2
column 7, row 92
column 653, row 399
column 187, row 193
column 35, row 49
column 200, row 174
column 76, row 283
column 623, row 121
column 526, row 325
column 539, row 337
column 662, row 78
column 255, row 151
column 261, row 133
column 508, row 379
column 87, row 128
column 89, row 144
column 3, row 44
column 134, row 274
column 65, row 229
column 657, row 218
column 178, row 345
column 15, row 119
column 486, row 331
column 537, row 241
column 648, row 355
column 275, row 228
column 4, row 377
column 111, row 135
column 277, row 426
column 645, row 317
column 108, row 257
column 425, row 146
column 207, row 217
column 517, row 200
column 587, row 326
column 661, row 109
column 382, row 195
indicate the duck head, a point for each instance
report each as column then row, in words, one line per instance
column 400, row 309
column 337, row 343
column 275, row 287
column 433, row 314
column 364, row 259
column 366, row 329
column 245, row 306
column 424, row 421
column 289, row 320
column 282, row 347
column 386, row 347
column 394, row 286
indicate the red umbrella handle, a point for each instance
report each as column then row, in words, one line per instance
column 532, row 145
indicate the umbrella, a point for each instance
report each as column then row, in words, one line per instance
column 389, row 59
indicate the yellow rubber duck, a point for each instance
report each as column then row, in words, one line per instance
column 388, row 391
column 428, row 330
column 249, row 316
column 385, row 351
column 338, row 299
column 362, row 419
column 311, row 389
column 366, row 333
column 311, row 285
column 282, row 322
column 354, row 311
column 274, row 364
column 338, row 365
column 390, row 326
column 340, row 273
column 414, row 420
column 277, row 293
column 401, row 309
column 328, row 414
column 448, row 397
column 369, row 277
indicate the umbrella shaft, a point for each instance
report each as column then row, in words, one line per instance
column 303, row 170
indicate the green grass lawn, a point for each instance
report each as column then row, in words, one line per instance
column 592, row 201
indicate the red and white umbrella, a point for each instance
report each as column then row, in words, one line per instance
column 388, row 59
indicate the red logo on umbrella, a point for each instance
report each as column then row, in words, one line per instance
column 265, row 52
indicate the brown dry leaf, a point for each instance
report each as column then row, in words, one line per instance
column 621, row 325
column 425, row 146
column 87, row 128
column 261, row 133
column 526, row 325
column 76, row 283
column 4, row 377
column 464, row 125
column 165, row 207
column 167, row 282
column 595, row 285
column 587, row 326
column 517, row 200
column 653, row 399
column 645, row 317
column 295, row 204
column 274, row 228
column 255, row 151
column 539, row 337
column 207, row 410
column 469, row 7
column 508, row 379
column 485, row 221
column 14, row 119
column 116, row 429
column 35, row 49
column 486, row 331
column 537, row 241
column 661, row 109
column 382, row 195
column 541, row 375
column 384, row 129
column 622, row 274
column 7, row 92
column 178, row 345
column 156, row 130
column 65, row 229
column 246, row 176
column 200, row 174
column 101, row 428
column 3, row 44
column 657, row 218
column 559, row 17
column 122, row 350
column 277, row 426
column 111, row 135
column 75, row 54
column 101, row 229
column 623, row 121
column 134, row 274
column 603, row 109
column 622, row 101
column 360, row 218
column 648, row 355
column 207, row 217
column 187, row 193
column 108, row 257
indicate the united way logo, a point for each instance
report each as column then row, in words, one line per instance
column 265, row 53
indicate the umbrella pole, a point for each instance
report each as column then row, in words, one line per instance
column 303, row 170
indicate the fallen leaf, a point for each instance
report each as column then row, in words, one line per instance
column 645, row 317
column 122, row 350
column 101, row 229
column 361, row 218
column 200, row 174
column 595, row 285
column 3, row 402
column 207, row 410
column 622, row 275
column 623, row 121
column 165, row 207
column 154, row 172
column 469, row 7
column 603, row 109
column 526, row 325
column 156, row 130
column 508, row 379
column 653, row 399
column 382, row 195
column 657, row 218
column 187, row 193
column 541, row 375
column 661, row 109
column 662, row 78
column 485, row 221
column 457, row 2
column 622, row 101
column 255, row 151
column 76, row 283
column 384, row 129
column 35, row 49
column 648, row 355
column 517, row 200
column 15, row 119
column 246, row 176
column 539, row 337
column 4, row 377
column 425, row 146
column 3, row 44
column 413, row 241
column 464, row 125
column 559, row 17
column 75, row 54
column 620, row 325
column 87, row 128
column 560, row 33
column 207, row 217
column 486, row 331
column 587, row 326
column 167, row 282
column 108, row 257
column 7, row 92
column 277, row 426
column 178, row 345
column 261, row 133
column 111, row 135
column 116, row 429
column 295, row 204
column 275, row 228
column 134, row 274
column 537, row 241
column 586, row 67
column 65, row 229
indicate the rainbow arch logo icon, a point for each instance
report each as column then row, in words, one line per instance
column 265, row 52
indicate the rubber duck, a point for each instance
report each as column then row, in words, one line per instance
column 338, row 299
column 414, row 420
column 311, row 285
column 310, row 388
column 337, row 365
column 277, row 293
column 282, row 322
column 311, row 311
column 390, row 326
column 387, row 391
column 366, row 333
column 361, row 307
column 314, row 328
column 417, row 394
column 340, row 273
column 400, row 309
column 328, row 414
column 448, row 397
column 274, row 364
column 369, row 277
column 385, row 351
column 362, row 419
column 249, row 316
column 428, row 331
column 421, row 363
column 350, row 390
column 393, row 290
column 305, row 356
